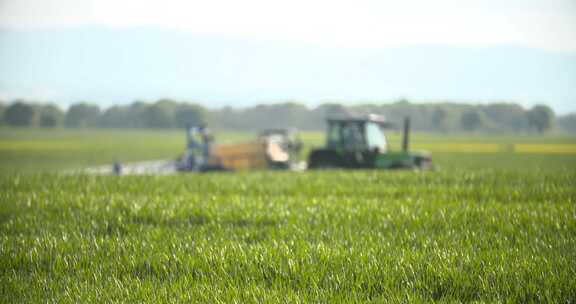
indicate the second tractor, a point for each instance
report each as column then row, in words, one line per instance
column 360, row 142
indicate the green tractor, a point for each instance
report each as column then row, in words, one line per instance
column 359, row 142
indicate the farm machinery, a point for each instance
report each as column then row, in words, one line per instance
column 359, row 142
column 273, row 149
column 352, row 142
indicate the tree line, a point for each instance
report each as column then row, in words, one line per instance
column 166, row 113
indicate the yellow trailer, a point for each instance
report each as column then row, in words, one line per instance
column 239, row 157
column 257, row 155
column 273, row 149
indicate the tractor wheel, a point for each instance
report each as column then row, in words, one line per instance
column 424, row 164
column 322, row 165
column 324, row 160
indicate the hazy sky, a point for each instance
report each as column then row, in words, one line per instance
column 360, row 23
column 241, row 52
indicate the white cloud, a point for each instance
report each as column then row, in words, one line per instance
column 360, row 23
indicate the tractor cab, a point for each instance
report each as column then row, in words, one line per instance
column 360, row 142
column 357, row 134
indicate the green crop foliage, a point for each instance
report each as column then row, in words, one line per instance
column 485, row 227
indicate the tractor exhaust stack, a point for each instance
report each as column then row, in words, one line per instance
column 406, row 137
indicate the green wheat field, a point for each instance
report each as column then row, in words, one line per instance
column 496, row 222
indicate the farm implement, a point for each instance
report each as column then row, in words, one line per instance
column 273, row 149
column 352, row 142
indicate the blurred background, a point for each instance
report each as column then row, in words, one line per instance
column 109, row 68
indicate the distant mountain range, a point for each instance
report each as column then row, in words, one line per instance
column 112, row 66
